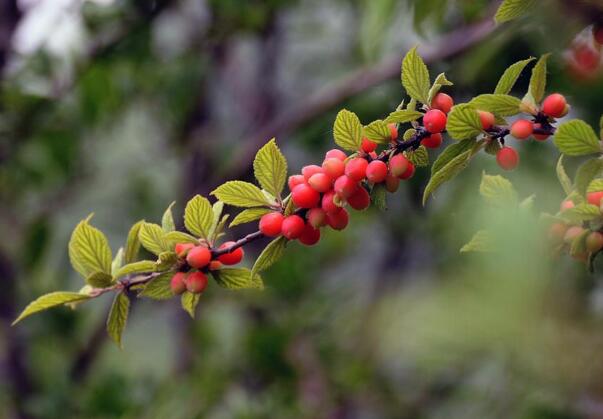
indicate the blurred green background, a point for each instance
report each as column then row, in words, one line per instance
column 119, row 107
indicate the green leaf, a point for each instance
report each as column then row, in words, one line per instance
column 502, row 105
column 198, row 216
column 158, row 288
column 378, row 131
column 167, row 221
column 137, row 267
column 493, row 146
column 50, row 300
column 564, row 179
column 273, row 252
column 237, row 278
column 217, row 208
column 403, row 116
column 440, row 81
column 595, row 186
column 449, row 171
column 133, row 243
column 248, row 215
column 118, row 317
column 408, row 134
column 378, row 197
column 419, row 157
column 580, row 213
column 153, row 239
column 451, row 152
column 512, row 9
column 118, row 261
column 576, row 138
column 241, row 194
column 165, row 261
column 587, row 171
column 174, row 237
column 89, row 250
column 99, row 279
column 528, row 203
column 578, row 245
column 510, row 76
column 481, row 241
column 347, row 130
column 415, row 76
column 270, row 168
column 498, row 191
column 189, row 302
column 538, row 79
column 463, row 122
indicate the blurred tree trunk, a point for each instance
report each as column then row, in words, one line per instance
column 9, row 17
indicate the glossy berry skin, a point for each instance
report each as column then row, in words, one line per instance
column 344, row 187
column 367, row 145
column 196, row 282
column 182, row 249
column 310, row 236
column 557, row 232
column 392, row 183
column 539, row 137
column 410, row 171
column 333, row 167
column 360, row 199
column 317, row 217
column 433, row 141
column 295, row 180
column 198, row 257
column 507, row 158
column 293, row 227
column 487, row 119
column 443, row 102
column 336, row 154
column 271, row 223
column 320, row 182
column 594, row 198
column 339, row 219
column 393, row 131
column 304, row 196
column 398, row 165
column 233, row 257
column 178, row 283
column 522, row 129
column 310, row 170
column 355, row 169
column 554, row 105
column 594, row 242
column 566, row 204
column 434, row 121
column 376, row 171
column 572, row 233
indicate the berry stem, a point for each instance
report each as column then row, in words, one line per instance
column 239, row 243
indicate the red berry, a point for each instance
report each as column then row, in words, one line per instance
column 487, row 119
column 310, row 170
column 598, row 34
column 333, row 167
column 304, row 196
column 368, row 145
column 310, row 236
column 295, row 180
column 392, row 183
column 522, row 129
column 293, row 227
column 393, row 131
column 196, row 282
column 320, row 182
column 335, row 154
column 339, row 219
column 178, row 283
column 410, row 171
column 327, row 204
column 344, row 187
column 398, row 165
column 376, row 171
column 443, row 102
column 554, row 105
column 360, row 199
column 198, row 257
column 433, row 141
column 214, row 265
column 507, row 158
column 270, row 224
column 317, row 217
column 539, row 137
column 434, row 121
column 594, row 198
column 355, row 169
column 231, row 258
column 567, row 204
column 594, row 242
column 182, row 249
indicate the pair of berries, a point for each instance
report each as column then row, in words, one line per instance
column 200, row 257
column 561, row 233
column 194, row 282
column 292, row 227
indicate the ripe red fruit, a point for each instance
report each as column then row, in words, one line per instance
column 338, row 220
column 393, row 131
column 392, row 183
column 335, row 154
column 320, row 182
column 522, row 129
column 554, row 105
column 572, row 233
column 398, row 165
column 333, row 167
column 231, row 258
column 567, row 204
column 270, row 224
column 310, row 170
column 182, row 248
column 557, row 232
column 443, row 102
column 487, row 119
column 598, row 34
column 304, row 196
column 198, row 257
column 433, row 141
column 368, row 145
column 434, row 121
column 178, row 283
column 410, row 171
column 196, row 282
column 539, row 137
column 327, row 204
column 293, row 227
column 376, row 171
column 594, row 198
column 344, row 187
column 360, row 199
column 355, row 169
column 317, row 217
column 594, row 242
column 310, row 236
column 507, row 158
column 295, row 180
column 214, row 265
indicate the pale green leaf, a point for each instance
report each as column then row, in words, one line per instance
column 378, row 197
column 270, row 168
column 587, row 171
column 198, row 216
column 189, row 302
column 249, row 215
column 510, row 76
column 347, row 130
column 538, row 79
column 51, row 300
column 167, row 221
column 451, row 152
column 512, row 9
column 158, row 288
column 273, row 252
column 118, row 261
column 595, row 186
column 498, row 191
column 142, row 266
column 580, row 213
column 409, row 134
column 118, row 317
column 482, row 241
column 166, row 260
column 241, row 194
column 237, row 278
column 419, row 157
column 378, row 131
column 576, row 138
column 99, row 279
column 217, row 208
column 440, row 81
column 463, row 122
column 564, row 179
column 133, row 243
column 153, row 239
column 498, row 104
column 415, row 76
column 174, row 237
column 403, row 116
column 449, row 171
column 89, row 250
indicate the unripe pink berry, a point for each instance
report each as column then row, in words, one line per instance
column 398, row 165
column 367, row 145
column 270, row 224
column 327, row 204
column 178, row 283
column 594, row 242
column 344, row 186
column 393, row 131
column 335, row 154
column 198, row 257
column 317, row 217
column 339, row 219
column 567, row 204
column 355, row 169
column 293, row 227
column 434, row 121
column 310, row 236
column 443, row 102
column 376, row 171
column 333, row 167
column 487, row 119
column 522, row 129
column 320, row 182
column 433, row 141
column 196, row 282
column 231, row 258
column 554, row 105
column 360, row 199
column 507, row 158
column 295, row 180
column 304, row 196
column 310, row 170
column 392, row 183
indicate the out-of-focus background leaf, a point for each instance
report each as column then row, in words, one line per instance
column 121, row 106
